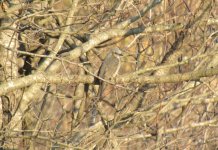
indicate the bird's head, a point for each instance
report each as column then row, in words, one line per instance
column 116, row 52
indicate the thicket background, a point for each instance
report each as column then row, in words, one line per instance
column 165, row 96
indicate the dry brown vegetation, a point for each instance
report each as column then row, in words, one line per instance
column 164, row 96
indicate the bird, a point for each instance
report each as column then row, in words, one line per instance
column 109, row 68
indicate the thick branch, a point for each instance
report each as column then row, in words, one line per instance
column 57, row 79
column 173, row 78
